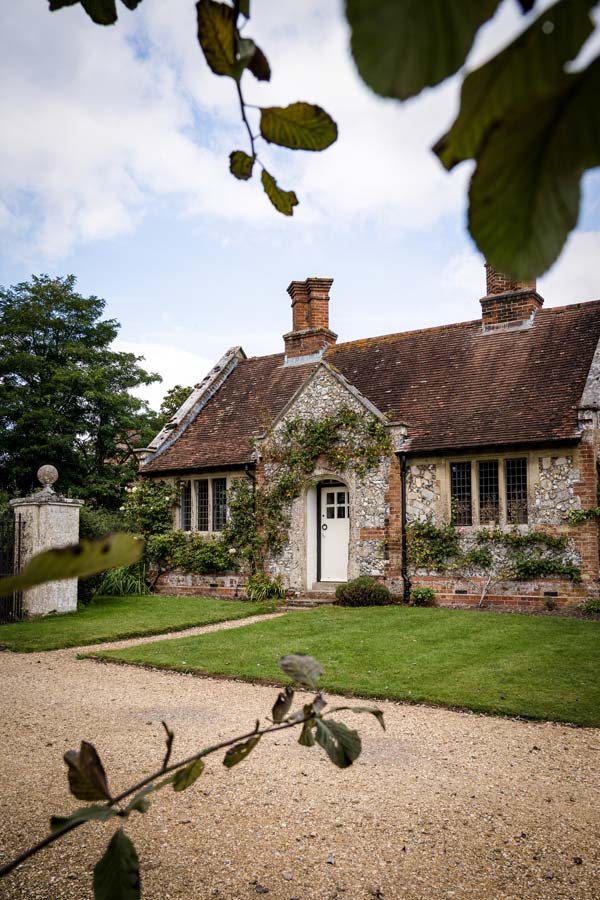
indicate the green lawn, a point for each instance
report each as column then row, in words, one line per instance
column 111, row 618
column 538, row 667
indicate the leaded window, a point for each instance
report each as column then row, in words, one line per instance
column 489, row 492
column 202, row 505
column 461, row 493
column 185, row 511
column 516, row 491
column 219, row 503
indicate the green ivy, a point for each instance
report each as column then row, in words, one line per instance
column 583, row 515
column 524, row 557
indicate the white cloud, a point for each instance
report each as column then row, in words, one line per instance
column 101, row 124
column 575, row 276
column 175, row 365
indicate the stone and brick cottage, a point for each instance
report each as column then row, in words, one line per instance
column 494, row 422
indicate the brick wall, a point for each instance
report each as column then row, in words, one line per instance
column 499, row 283
column 228, row 585
column 501, row 309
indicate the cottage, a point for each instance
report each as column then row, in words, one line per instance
column 492, row 435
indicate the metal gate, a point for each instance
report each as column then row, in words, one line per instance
column 11, row 533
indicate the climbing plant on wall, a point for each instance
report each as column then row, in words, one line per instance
column 495, row 555
column 259, row 517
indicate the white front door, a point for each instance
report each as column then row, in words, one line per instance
column 334, row 531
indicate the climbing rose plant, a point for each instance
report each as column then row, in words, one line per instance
column 148, row 508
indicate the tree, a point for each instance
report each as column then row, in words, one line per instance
column 172, row 401
column 64, row 394
column 531, row 126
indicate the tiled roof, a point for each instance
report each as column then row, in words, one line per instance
column 457, row 387
column 454, row 387
column 250, row 398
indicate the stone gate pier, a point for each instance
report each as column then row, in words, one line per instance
column 49, row 520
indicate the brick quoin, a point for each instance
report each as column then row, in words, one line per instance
column 394, row 528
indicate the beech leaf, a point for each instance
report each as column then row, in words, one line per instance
column 283, row 201
column 241, row 165
column 341, row 744
column 188, row 775
column 524, row 195
column 102, row 12
column 246, row 48
column 307, row 738
column 85, row 814
column 523, row 73
column 282, row 705
column 216, row 36
column 239, row 752
column 117, row 874
column 302, row 669
column 87, row 778
column 362, row 709
column 403, row 46
column 75, row 561
column 299, row 126
column 259, row 66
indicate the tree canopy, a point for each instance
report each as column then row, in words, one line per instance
column 172, row 401
column 529, row 117
column 65, row 396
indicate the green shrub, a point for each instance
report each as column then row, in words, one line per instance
column 149, row 506
column 95, row 522
column 125, row 581
column 261, row 587
column 591, row 606
column 363, row 591
column 190, row 552
column 422, row 596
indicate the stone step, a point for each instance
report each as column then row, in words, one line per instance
column 308, row 601
column 326, row 586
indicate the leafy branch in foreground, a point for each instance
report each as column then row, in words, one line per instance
column 76, row 561
column 529, row 120
column 117, row 873
column 228, row 52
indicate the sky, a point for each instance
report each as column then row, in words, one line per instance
column 114, row 149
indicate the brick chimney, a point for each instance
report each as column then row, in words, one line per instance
column 509, row 304
column 310, row 318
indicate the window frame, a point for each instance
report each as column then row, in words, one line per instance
column 193, row 482
column 500, row 459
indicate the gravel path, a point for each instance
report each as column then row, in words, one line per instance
column 443, row 805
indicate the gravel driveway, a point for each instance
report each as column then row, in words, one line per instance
column 443, row 805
